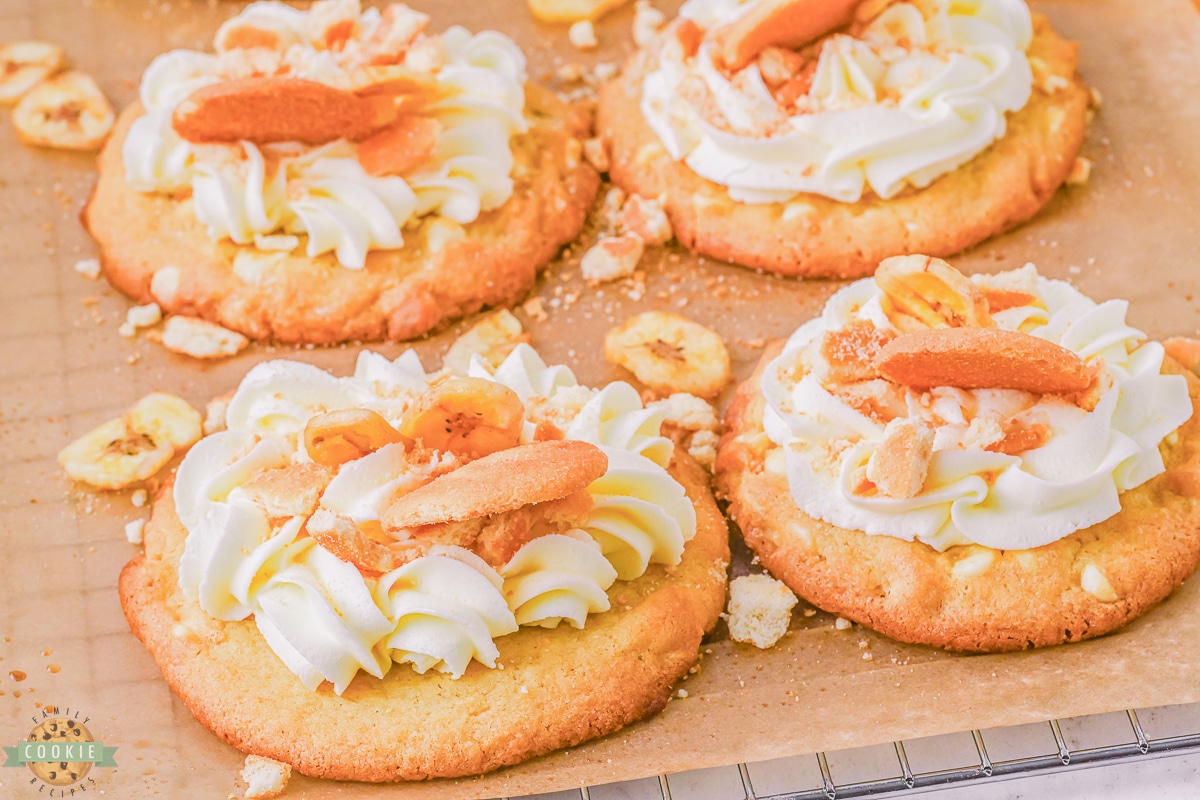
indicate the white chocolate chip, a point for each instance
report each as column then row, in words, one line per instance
column 582, row 35
column 1095, row 584
column 595, row 152
column 279, row 242
column 165, row 284
column 88, row 268
column 793, row 211
column 441, row 231
column 776, row 461
column 973, row 565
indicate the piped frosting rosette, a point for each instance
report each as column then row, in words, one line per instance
column 311, row 510
column 868, row 445
column 911, row 91
column 461, row 97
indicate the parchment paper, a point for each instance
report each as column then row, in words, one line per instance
column 1133, row 232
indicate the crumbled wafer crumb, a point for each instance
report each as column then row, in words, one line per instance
column 139, row 498
column 145, row 316
column 595, row 152
column 1081, row 172
column 646, row 21
column 266, row 777
column 646, row 218
column 842, row 624
column 605, row 71
column 571, row 72
column 760, row 609
column 582, row 35
column 88, row 268
column 133, row 530
column 682, row 693
column 165, row 284
column 198, row 338
column 612, row 257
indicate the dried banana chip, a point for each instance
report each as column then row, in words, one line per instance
column 469, row 417
column 68, row 112
column 131, row 448
column 24, row 65
column 492, row 338
column 670, row 353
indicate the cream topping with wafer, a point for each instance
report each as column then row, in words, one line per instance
column 298, row 513
column 347, row 197
column 906, row 93
column 869, row 443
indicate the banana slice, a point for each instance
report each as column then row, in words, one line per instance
column 134, row 446
column 68, row 112
column 921, row 292
column 670, row 354
column 24, row 65
column 334, row 438
column 469, row 417
column 492, row 338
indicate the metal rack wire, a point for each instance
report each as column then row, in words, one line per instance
column 987, row 769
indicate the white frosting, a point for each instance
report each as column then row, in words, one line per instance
column 878, row 115
column 972, row 495
column 323, row 193
column 443, row 609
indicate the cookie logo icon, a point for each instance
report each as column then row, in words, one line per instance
column 61, row 753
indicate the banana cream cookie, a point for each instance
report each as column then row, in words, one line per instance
column 985, row 464
column 338, row 174
column 399, row 575
column 817, row 137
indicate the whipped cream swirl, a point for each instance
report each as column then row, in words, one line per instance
column 971, row 495
column 909, row 99
column 245, row 193
column 443, row 609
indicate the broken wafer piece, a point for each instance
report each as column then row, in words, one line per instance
column 264, row 110
column 406, row 143
column 67, row 112
column 199, row 338
column 789, row 23
column 24, row 65
column 500, row 482
column 982, row 358
column 670, row 353
column 131, row 448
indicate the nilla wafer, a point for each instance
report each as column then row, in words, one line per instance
column 982, row 358
column 263, row 110
column 500, row 482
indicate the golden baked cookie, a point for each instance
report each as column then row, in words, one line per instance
column 363, row 284
column 398, row 708
column 812, row 235
column 954, row 593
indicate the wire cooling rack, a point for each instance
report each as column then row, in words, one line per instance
column 889, row 771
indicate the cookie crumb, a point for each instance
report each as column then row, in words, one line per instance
column 570, row 73
column 88, row 268
column 133, row 531
column 198, row 338
column 647, row 219
column 534, row 308
column 760, row 609
column 842, row 624
column 682, row 693
column 582, row 35
column 612, row 257
column 266, row 777
column 868, row 657
column 138, row 498
column 605, row 71
column 810, row 612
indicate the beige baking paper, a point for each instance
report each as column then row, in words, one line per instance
column 1133, row 232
